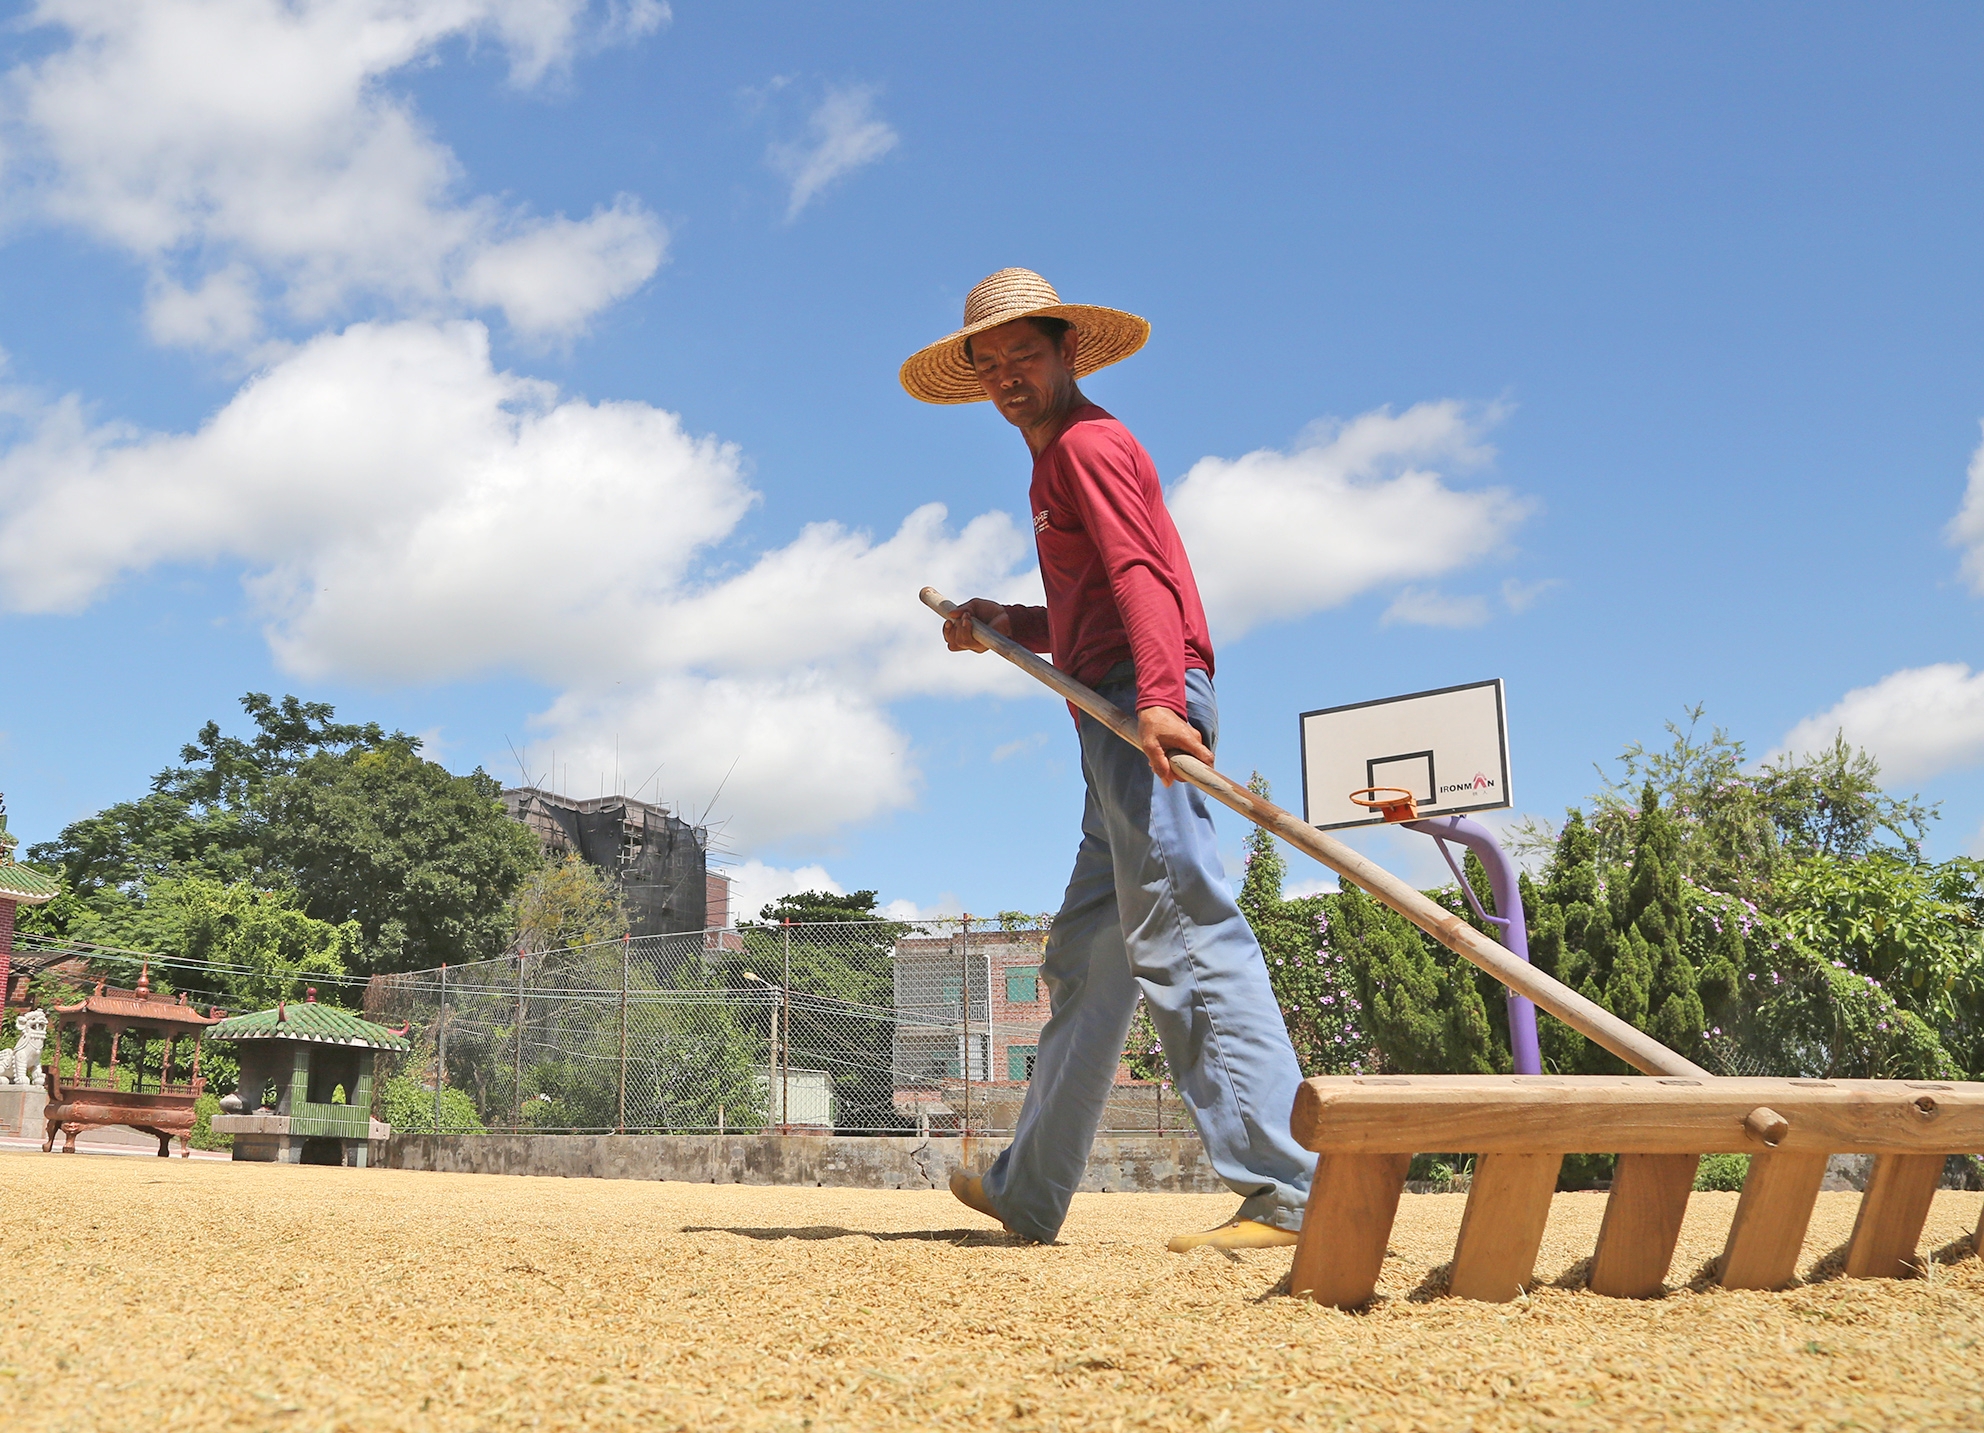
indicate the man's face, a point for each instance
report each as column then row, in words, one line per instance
column 1025, row 373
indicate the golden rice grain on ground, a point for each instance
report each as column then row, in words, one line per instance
column 186, row 1295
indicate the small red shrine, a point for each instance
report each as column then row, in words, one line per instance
column 127, row 1024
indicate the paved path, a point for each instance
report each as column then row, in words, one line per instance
column 85, row 1144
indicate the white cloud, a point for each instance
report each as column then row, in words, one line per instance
column 1521, row 596
column 1354, row 506
column 555, row 275
column 945, row 907
column 1429, row 607
column 1323, row 885
column 1966, row 529
column 404, row 512
column 223, row 312
column 212, row 139
column 1918, row 722
column 630, row 20
column 754, row 885
column 796, row 758
column 1020, row 746
column 843, row 134
column 407, row 513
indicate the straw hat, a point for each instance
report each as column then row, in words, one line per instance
column 942, row 374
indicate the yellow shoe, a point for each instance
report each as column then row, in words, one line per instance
column 1240, row 1234
column 969, row 1189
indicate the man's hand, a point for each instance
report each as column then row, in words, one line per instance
column 958, row 635
column 1161, row 731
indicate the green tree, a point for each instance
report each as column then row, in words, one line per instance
column 1768, row 921
column 565, row 903
column 1739, row 827
column 1312, row 983
column 1904, row 926
column 424, row 861
column 1831, row 804
column 1654, row 916
column 842, row 1001
column 347, row 816
column 691, row 1057
column 1813, row 1017
column 198, row 818
column 233, row 945
column 256, row 946
column 1572, row 938
column 1729, row 840
column 409, row 1109
column 1422, row 1009
column 1143, row 1051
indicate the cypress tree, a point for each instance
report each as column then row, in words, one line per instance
column 1622, row 942
column 1720, row 982
column 1652, row 910
column 1424, row 1014
column 1572, row 938
column 1317, row 1001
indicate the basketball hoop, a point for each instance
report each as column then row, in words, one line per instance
column 1394, row 803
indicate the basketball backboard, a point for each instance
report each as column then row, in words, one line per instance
column 1449, row 748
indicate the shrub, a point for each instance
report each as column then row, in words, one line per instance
column 409, row 1108
column 1585, row 1171
column 1722, row 1171
column 204, row 1110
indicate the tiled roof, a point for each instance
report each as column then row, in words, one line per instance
column 308, row 1020
column 26, row 886
column 138, row 1008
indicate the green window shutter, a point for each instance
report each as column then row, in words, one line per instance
column 1022, row 984
column 1019, row 1061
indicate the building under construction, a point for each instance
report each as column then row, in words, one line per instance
column 660, row 861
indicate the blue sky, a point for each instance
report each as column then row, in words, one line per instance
column 523, row 374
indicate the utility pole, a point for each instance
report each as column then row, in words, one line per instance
column 517, row 1075
column 785, row 1046
column 964, row 1014
column 626, row 956
column 441, row 1047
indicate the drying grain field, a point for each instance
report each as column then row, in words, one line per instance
column 157, row 1294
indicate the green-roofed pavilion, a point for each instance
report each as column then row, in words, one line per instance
column 322, row 1024
column 305, row 1095
column 19, row 886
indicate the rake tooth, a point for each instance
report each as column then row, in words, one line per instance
column 1771, row 1219
column 1892, row 1212
column 1507, row 1206
column 1351, row 1207
column 1642, row 1221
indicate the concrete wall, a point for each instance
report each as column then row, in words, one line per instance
column 1168, row 1165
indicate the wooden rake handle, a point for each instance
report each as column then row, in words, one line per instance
column 1636, row 1048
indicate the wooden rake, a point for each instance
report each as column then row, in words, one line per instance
column 1365, row 1129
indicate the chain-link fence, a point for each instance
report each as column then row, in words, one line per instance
column 884, row 1027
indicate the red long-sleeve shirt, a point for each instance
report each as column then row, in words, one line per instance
column 1118, row 582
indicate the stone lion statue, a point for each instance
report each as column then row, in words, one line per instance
column 22, row 1064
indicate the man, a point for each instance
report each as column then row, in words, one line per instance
column 1147, row 910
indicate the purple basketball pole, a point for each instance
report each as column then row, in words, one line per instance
column 1508, row 900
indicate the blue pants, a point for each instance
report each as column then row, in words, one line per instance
column 1148, row 912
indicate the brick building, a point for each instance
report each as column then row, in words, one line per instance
column 995, row 1036
column 937, row 1036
